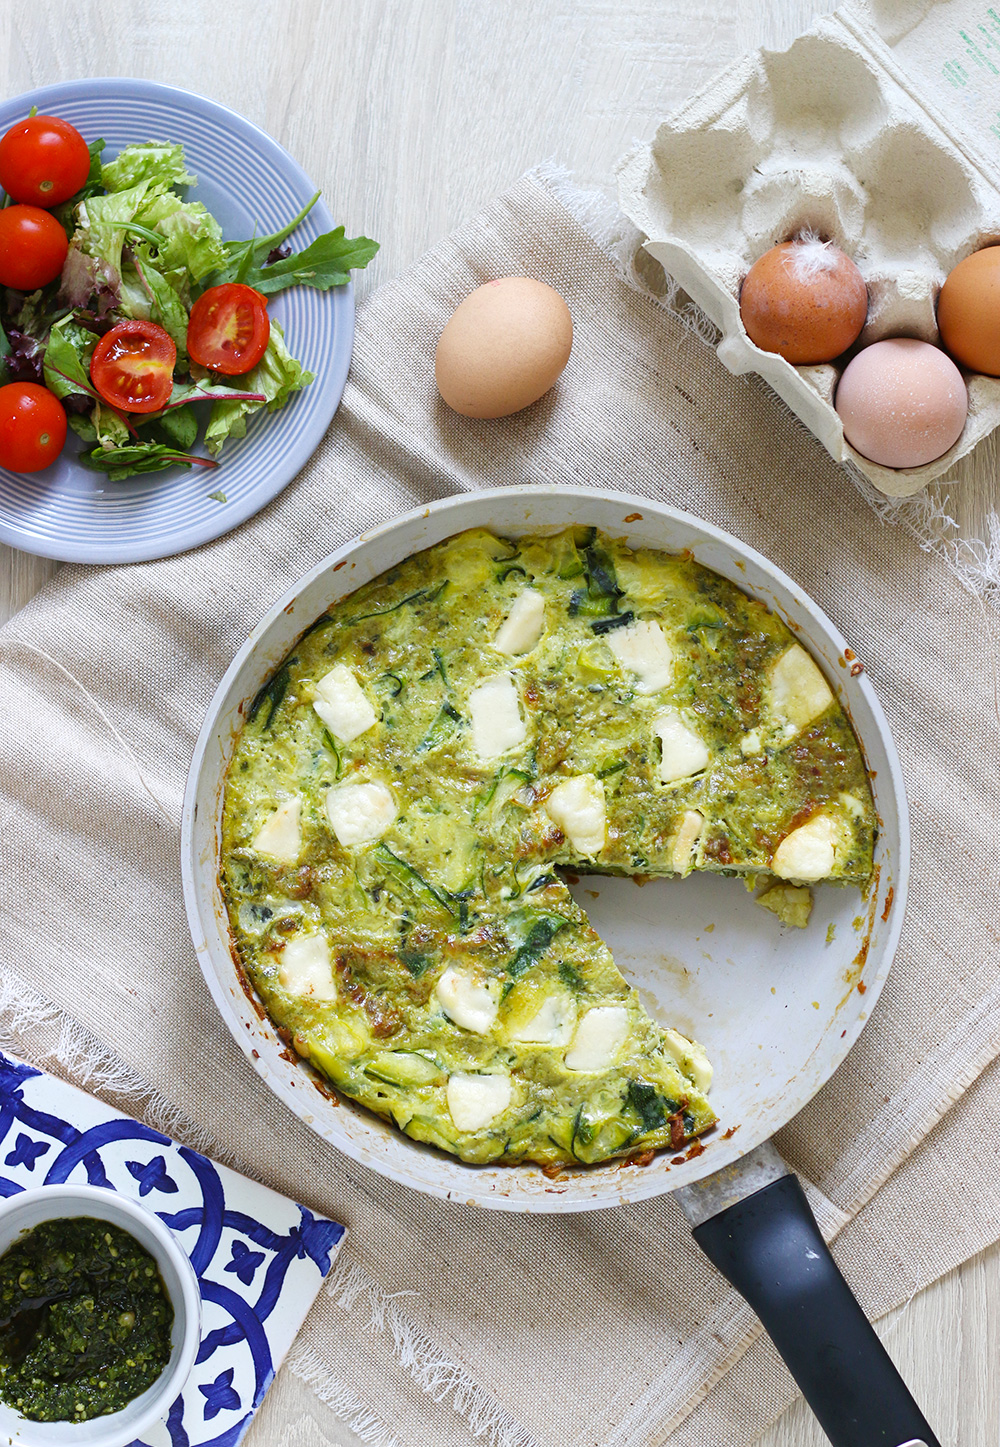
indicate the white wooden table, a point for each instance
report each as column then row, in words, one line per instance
column 411, row 114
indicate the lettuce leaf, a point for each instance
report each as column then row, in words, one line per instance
column 155, row 163
column 86, row 280
column 186, row 240
column 192, row 237
column 102, row 224
column 277, row 375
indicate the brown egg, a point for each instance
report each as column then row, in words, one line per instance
column 969, row 312
column 503, row 348
column 805, row 300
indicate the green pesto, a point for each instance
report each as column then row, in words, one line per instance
column 84, row 1321
column 464, row 877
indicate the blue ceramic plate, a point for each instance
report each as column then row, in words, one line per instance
column 248, row 182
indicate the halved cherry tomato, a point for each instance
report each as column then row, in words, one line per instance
column 33, row 247
column 32, row 427
column 43, row 161
column 228, row 329
column 133, row 366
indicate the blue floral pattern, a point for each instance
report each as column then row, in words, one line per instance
column 259, row 1257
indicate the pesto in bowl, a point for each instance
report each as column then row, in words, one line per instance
column 85, row 1320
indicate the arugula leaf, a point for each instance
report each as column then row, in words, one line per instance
column 239, row 256
column 327, row 261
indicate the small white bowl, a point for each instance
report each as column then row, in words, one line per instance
column 28, row 1209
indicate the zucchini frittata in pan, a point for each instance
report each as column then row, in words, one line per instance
column 436, row 745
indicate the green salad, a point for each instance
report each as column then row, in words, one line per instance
column 153, row 311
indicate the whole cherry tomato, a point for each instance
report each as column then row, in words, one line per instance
column 228, row 329
column 133, row 366
column 43, row 161
column 32, row 427
column 33, row 247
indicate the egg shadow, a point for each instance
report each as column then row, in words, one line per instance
column 501, row 451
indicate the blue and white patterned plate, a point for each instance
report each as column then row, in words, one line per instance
column 260, row 1258
column 248, row 183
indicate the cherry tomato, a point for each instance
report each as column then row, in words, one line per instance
column 33, row 247
column 228, row 328
column 32, row 426
column 133, row 366
column 43, row 161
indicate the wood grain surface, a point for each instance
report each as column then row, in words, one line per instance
column 411, row 114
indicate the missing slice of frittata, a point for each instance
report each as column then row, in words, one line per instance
column 409, row 781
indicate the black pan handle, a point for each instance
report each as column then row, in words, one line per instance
column 769, row 1247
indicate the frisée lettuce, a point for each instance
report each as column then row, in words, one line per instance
column 138, row 248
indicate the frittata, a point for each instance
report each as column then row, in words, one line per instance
column 442, row 740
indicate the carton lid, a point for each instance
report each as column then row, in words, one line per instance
column 947, row 57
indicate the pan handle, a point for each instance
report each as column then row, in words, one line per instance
column 769, row 1247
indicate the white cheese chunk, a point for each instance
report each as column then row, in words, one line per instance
column 577, row 806
column 523, row 626
column 808, row 853
column 799, row 692
column 343, row 705
column 304, row 968
column 750, row 743
column 691, row 1059
column 687, row 837
column 360, row 813
column 469, row 1002
column 599, row 1036
column 552, row 1023
column 682, row 751
column 475, row 1100
column 497, row 724
column 280, row 836
column 644, row 649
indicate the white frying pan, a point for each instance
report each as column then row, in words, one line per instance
column 777, row 1010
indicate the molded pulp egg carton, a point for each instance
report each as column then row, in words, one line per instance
column 880, row 128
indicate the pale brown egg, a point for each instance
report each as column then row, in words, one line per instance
column 969, row 312
column 805, row 300
column 503, row 347
column 903, row 403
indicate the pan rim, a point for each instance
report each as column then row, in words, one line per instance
column 454, row 1180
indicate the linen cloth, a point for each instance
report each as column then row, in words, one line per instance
column 443, row 1323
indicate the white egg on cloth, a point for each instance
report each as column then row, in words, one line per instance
column 903, row 402
column 504, row 346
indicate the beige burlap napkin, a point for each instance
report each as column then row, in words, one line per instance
column 444, row 1323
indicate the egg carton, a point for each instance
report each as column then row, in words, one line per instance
column 877, row 128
